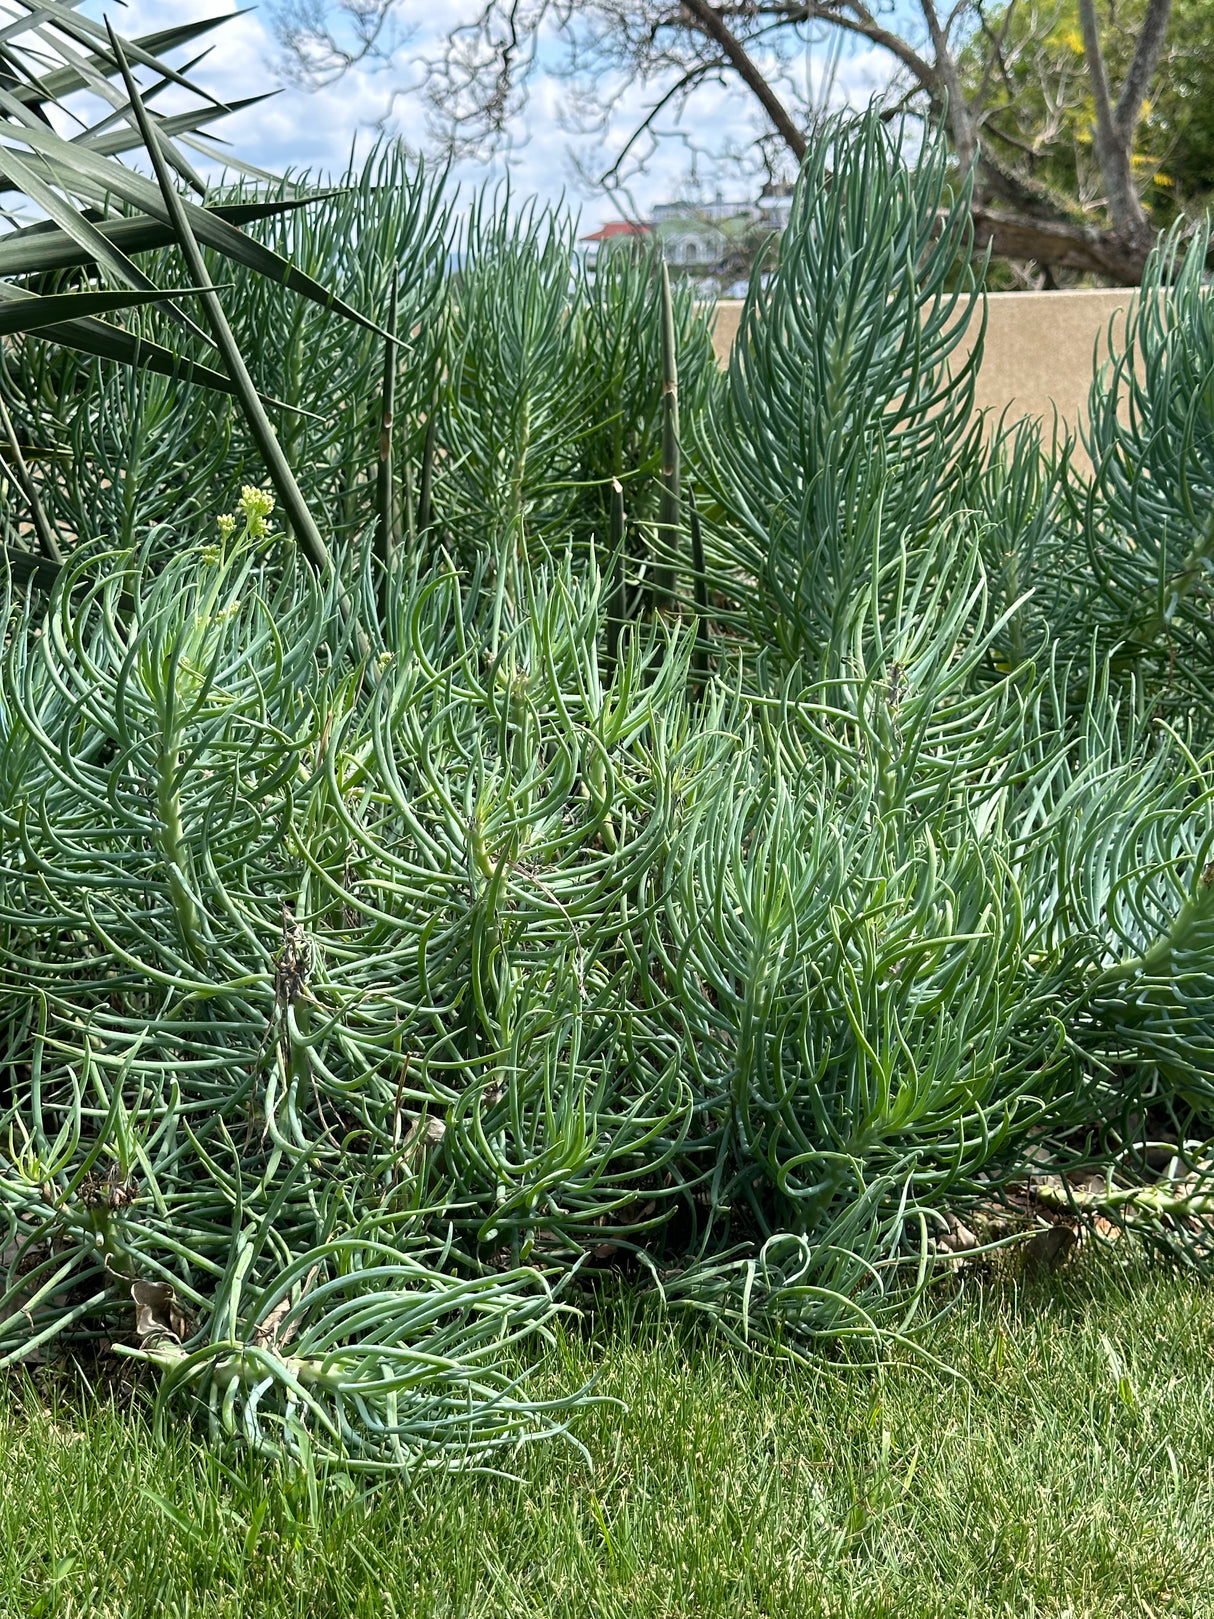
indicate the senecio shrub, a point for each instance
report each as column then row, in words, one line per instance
column 696, row 846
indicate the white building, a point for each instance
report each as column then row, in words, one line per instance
column 707, row 240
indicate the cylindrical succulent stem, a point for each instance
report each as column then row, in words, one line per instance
column 699, row 656
column 662, row 574
column 175, row 848
column 427, row 478
column 616, row 582
column 47, row 542
column 385, row 497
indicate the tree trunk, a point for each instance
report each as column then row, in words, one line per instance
column 1113, row 141
column 1062, row 245
column 1034, row 226
column 960, row 115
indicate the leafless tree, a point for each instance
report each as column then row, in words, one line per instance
column 478, row 77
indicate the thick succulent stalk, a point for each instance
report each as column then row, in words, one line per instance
column 425, row 487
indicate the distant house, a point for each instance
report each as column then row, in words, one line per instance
column 616, row 234
column 713, row 242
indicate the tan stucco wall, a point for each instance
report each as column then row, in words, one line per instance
column 1038, row 352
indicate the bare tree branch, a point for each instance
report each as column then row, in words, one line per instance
column 1090, row 29
column 995, row 61
column 689, row 79
column 315, row 54
column 709, row 21
column 960, row 114
column 857, row 19
column 477, row 83
column 1085, row 248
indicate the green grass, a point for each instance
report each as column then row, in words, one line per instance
column 1068, row 1470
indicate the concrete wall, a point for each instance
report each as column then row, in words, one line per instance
column 1038, row 352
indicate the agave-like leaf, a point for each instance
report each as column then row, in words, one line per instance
column 183, row 123
column 105, row 253
column 61, row 82
column 47, row 538
column 70, row 22
column 101, row 87
column 34, row 313
column 72, row 165
column 111, row 343
column 43, row 248
column 301, row 518
column 60, row 179
column 25, row 569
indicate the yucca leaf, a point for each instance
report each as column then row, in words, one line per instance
column 25, row 569
column 61, row 82
column 44, row 247
column 83, row 29
column 110, row 145
column 37, row 312
column 216, row 150
column 69, row 162
column 101, row 249
column 100, row 85
column 46, row 535
column 277, row 465
column 35, row 452
column 91, row 336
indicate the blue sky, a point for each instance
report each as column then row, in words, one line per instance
column 297, row 129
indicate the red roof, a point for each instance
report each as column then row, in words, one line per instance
column 617, row 227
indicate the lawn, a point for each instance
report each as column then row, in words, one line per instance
column 1062, row 1465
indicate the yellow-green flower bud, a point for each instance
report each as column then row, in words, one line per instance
column 256, row 504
